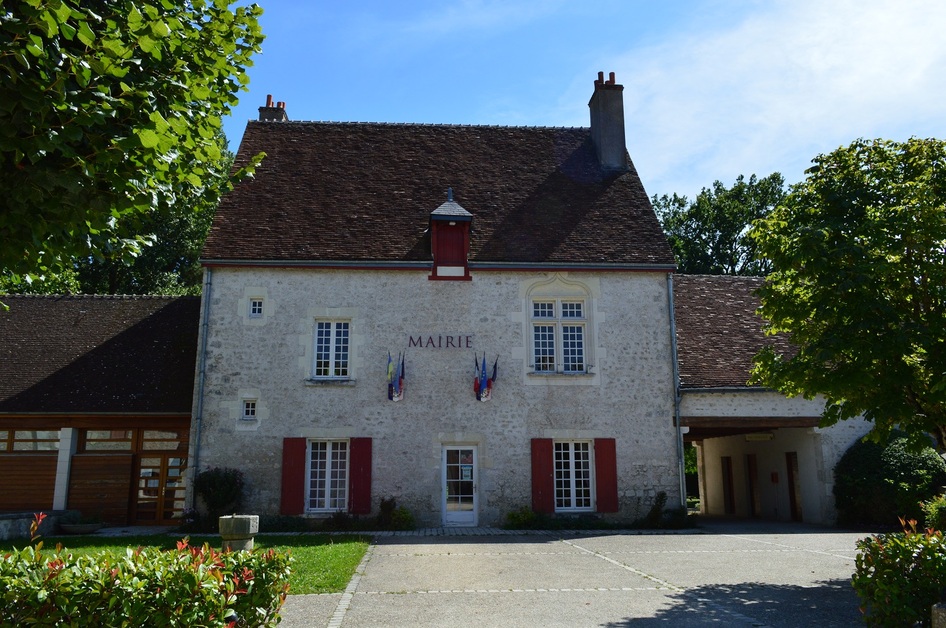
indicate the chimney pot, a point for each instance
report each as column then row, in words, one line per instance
column 600, row 77
column 611, row 78
column 273, row 111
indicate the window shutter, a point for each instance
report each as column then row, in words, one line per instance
column 292, row 500
column 543, row 476
column 359, row 487
column 606, row 475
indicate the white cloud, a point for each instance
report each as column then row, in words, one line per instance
column 791, row 80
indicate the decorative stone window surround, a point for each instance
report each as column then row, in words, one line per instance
column 560, row 287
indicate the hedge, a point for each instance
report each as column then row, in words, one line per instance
column 186, row 587
column 900, row 576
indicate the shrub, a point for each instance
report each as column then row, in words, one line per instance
column 402, row 519
column 879, row 484
column 185, row 587
column 899, row 576
column 394, row 517
column 221, row 491
column 522, row 519
column 934, row 513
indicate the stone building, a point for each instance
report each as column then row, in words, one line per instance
column 367, row 274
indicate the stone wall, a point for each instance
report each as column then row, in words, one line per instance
column 627, row 397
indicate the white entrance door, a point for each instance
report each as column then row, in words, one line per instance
column 459, row 485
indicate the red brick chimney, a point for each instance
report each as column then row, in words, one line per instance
column 273, row 112
column 607, row 124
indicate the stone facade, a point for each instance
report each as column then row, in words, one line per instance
column 439, row 326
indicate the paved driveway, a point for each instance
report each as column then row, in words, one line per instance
column 731, row 574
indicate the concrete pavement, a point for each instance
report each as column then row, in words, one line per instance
column 725, row 573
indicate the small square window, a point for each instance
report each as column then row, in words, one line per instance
column 256, row 308
column 249, row 409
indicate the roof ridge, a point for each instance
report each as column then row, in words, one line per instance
column 420, row 124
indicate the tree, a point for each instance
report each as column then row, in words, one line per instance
column 858, row 252
column 709, row 235
column 109, row 116
column 169, row 264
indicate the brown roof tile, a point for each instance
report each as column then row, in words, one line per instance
column 365, row 192
column 88, row 354
column 718, row 331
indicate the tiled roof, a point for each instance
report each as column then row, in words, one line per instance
column 718, row 331
column 87, row 354
column 362, row 192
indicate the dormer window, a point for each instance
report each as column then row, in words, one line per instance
column 450, row 241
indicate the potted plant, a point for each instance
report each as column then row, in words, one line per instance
column 73, row 522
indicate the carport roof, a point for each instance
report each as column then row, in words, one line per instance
column 98, row 354
column 718, row 330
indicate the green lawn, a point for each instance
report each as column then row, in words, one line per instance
column 322, row 563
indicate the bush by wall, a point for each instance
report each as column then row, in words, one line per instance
column 190, row 586
column 881, row 484
column 899, row 576
column 221, row 490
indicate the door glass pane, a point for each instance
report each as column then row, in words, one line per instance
column 459, row 472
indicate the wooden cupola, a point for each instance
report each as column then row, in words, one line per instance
column 450, row 241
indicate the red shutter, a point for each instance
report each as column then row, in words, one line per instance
column 359, row 485
column 292, row 501
column 606, row 475
column 543, row 482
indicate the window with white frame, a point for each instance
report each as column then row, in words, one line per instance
column 332, row 342
column 573, row 476
column 256, row 307
column 249, row 410
column 558, row 336
column 327, row 489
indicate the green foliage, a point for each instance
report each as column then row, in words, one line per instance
column 394, row 517
column 858, row 253
column 934, row 513
column 221, row 491
column 881, row 484
column 899, row 577
column 690, row 459
column 709, row 235
column 110, row 113
column 188, row 586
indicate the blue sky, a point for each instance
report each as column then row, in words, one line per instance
column 712, row 88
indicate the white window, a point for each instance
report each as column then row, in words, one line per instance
column 332, row 339
column 327, row 489
column 256, row 307
column 573, row 476
column 249, row 410
column 558, row 336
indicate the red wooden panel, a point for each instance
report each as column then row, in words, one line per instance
column 543, row 476
column 359, row 493
column 606, row 475
column 292, row 499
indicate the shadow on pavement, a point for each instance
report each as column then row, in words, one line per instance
column 829, row 603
